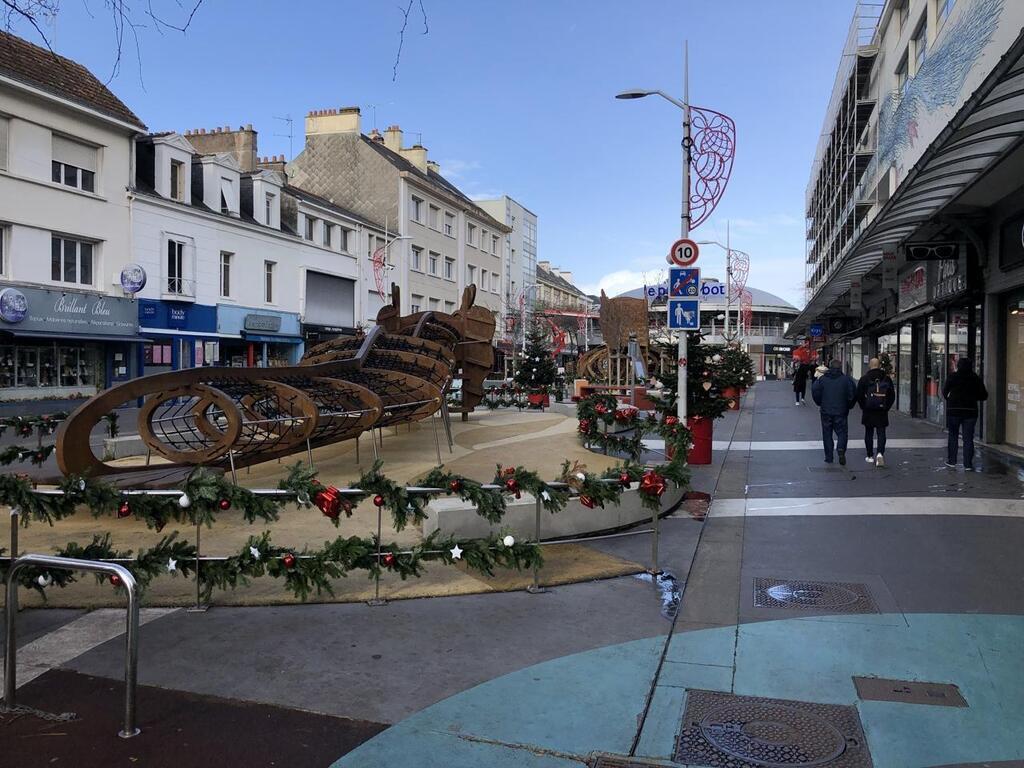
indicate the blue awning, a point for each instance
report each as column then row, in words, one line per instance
column 272, row 339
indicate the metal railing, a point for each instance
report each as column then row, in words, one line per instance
column 131, row 654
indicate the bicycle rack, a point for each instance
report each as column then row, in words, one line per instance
column 131, row 632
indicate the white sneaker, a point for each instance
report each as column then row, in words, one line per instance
column 879, row 460
column 869, row 459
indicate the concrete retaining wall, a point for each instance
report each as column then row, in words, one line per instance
column 454, row 517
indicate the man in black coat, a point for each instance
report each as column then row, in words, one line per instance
column 876, row 394
column 963, row 390
column 835, row 393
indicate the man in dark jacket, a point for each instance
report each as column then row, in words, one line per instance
column 803, row 370
column 963, row 390
column 835, row 393
column 876, row 394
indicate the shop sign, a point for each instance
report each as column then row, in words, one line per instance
column 856, row 294
column 778, row 349
column 708, row 289
column 37, row 309
column 270, row 323
column 177, row 316
column 889, row 281
column 133, row 278
column 950, row 279
column 913, row 288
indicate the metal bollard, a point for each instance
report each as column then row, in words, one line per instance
column 535, row 588
column 131, row 640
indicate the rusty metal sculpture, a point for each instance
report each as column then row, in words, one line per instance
column 398, row 372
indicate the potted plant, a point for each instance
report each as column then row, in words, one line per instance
column 735, row 374
column 536, row 372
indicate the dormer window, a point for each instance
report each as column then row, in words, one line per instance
column 227, row 196
column 177, row 180
column 269, row 209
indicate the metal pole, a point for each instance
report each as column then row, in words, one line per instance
column 357, row 449
column 437, row 440
column 198, row 607
column 13, row 600
column 684, row 226
column 655, row 527
column 377, row 600
column 535, row 588
column 234, row 474
column 309, row 453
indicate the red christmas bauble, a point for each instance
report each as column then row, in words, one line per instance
column 389, row 559
column 586, row 501
column 511, row 485
column 625, row 480
column 224, row 504
column 124, row 510
column 584, row 426
column 328, row 501
column 670, row 420
column 455, row 486
column 115, row 580
column 378, row 500
column 288, row 560
column 652, row 483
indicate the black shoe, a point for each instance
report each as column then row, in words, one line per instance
column 969, row 467
column 828, row 461
column 842, row 458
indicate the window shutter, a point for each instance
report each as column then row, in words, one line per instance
column 4, row 127
column 74, row 153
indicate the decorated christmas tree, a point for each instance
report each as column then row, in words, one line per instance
column 536, row 370
column 703, row 388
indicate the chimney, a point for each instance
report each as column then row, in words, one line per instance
column 272, row 163
column 417, row 155
column 433, row 167
column 327, row 121
column 567, row 276
column 393, row 138
column 241, row 144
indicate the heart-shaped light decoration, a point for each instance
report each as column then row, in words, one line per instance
column 706, row 385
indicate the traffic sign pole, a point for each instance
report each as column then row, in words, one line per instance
column 684, row 223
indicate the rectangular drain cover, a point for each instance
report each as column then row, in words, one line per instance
column 723, row 730
column 620, row 761
column 909, row 692
column 831, row 596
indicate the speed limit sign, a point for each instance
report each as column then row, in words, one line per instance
column 683, row 253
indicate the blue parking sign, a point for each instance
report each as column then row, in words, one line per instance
column 684, row 314
column 816, row 331
column 683, row 282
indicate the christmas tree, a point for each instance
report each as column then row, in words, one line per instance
column 536, row 365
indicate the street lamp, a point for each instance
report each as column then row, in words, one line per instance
column 728, row 278
column 684, row 104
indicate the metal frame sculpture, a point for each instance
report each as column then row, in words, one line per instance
column 398, row 372
column 712, row 149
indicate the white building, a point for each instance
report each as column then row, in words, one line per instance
column 66, row 326
column 242, row 267
column 520, row 280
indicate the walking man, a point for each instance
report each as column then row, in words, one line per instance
column 835, row 393
column 963, row 390
column 800, row 375
column 876, row 394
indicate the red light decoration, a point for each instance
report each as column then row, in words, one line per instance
column 713, row 137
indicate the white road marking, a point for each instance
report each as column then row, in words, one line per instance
column 800, row 445
column 75, row 638
column 841, row 506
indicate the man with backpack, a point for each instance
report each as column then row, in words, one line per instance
column 963, row 390
column 876, row 395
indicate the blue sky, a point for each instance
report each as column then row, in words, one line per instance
column 517, row 97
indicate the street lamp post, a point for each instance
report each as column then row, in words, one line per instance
column 684, row 219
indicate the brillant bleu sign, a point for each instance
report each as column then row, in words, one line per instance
column 37, row 309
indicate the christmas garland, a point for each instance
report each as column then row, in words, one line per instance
column 505, row 397
column 515, row 480
column 17, row 453
column 595, row 410
column 489, row 502
column 26, row 426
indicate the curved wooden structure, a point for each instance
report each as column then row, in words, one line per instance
column 398, row 372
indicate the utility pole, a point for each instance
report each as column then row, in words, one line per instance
column 684, row 226
column 728, row 281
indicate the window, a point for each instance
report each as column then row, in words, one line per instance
column 225, row 273
column 449, row 269
column 268, row 213
column 449, row 307
column 3, row 243
column 494, row 244
column 470, row 274
column 483, row 240
column 268, row 281
column 432, row 262
column 417, row 258
column 494, row 282
column 70, row 261
column 74, row 164
column 920, row 45
column 902, row 12
column 175, row 267
column 416, row 302
column 434, row 217
column 4, row 131
column 449, row 224
column 344, row 239
column 327, row 234
column 945, row 6
column 309, row 228
column 416, row 209
column 901, row 77
column 470, row 233
column 177, row 180
column 227, row 196
column 435, row 304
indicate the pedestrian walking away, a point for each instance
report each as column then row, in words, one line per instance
column 835, row 393
column 800, row 376
column 875, row 394
column 963, row 390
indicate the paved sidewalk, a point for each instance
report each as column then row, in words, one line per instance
column 927, row 565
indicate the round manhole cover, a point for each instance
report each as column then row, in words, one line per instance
column 812, row 595
column 772, row 735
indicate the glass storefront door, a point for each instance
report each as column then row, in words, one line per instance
column 905, row 370
column 935, row 370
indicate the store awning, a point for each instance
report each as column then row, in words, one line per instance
column 272, row 339
column 51, row 336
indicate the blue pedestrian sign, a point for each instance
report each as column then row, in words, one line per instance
column 683, row 282
column 816, row 331
column 684, row 314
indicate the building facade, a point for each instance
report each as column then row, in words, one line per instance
column 243, row 268
column 916, row 204
column 437, row 242
column 520, row 277
column 67, row 328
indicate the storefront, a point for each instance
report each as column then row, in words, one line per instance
column 259, row 338
column 777, row 359
column 182, row 335
column 63, row 344
column 313, row 334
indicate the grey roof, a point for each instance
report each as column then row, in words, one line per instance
column 758, row 297
column 558, row 281
column 309, row 197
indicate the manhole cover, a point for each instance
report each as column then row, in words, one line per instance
column 728, row 731
column 833, row 596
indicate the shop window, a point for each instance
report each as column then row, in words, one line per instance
column 71, row 261
column 48, row 370
column 6, row 367
column 28, row 367
column 156, row 354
